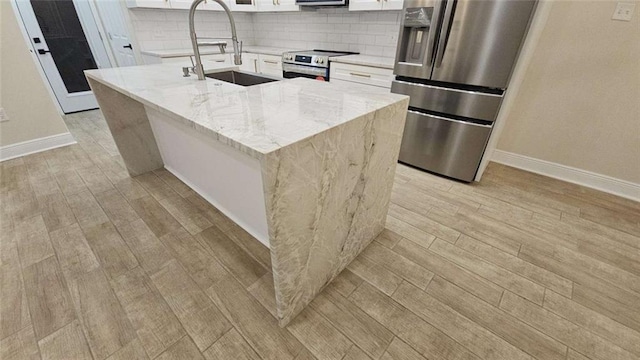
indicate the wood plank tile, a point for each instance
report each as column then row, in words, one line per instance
column 409, row 232
column 74, row 253
column 423, row 337
column 375, row 274
column 305, row 354
column 318, row 335
column 57, row 214
column 106, row 326
column 116, row 207
column 174, row 183
column 474, row 337
column 49, row 303
column 569, row 333
column 210, row 212
column 33, row 241
column 156, row 326
column 14, row 310
column 388, row 238
column 70, row 182
column 360, row 328
column 86, row 209
column 203, row 267
column 516, row 265
column 496, row 274
column 617, row 304
column 20, row 346
column 130, row 189
column 145, row 246
column 112, row 252
column 398, row 264
column 131, row 351
column 399, row 350
column 154, row 186
column 187, row 215
column 604, row 231
column 248, row 244
column 200, row 318
column 243, row 267
column 263, row 290
column 44, row 186
column 183, row 349
column 345, row 283
column 155, row 216
column 502, row 324
column 95, row 179
column 593, row 321
column 574, row 355
column 467, row 280
column 424, row 223
column 231, row 346
column 253, row 321
column 65, row 343
column 482, row 228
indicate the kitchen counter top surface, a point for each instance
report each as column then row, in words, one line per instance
column 366, row 60
column 256, row 120
column 267, row 50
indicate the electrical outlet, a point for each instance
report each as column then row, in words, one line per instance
column 3, row 115
column 624, row 11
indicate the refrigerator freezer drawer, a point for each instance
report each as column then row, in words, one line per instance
column 445, row 146
column 471, row 104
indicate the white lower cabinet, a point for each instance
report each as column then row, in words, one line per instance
column 366, row 75
column 249, row 62
column 270, row 65
column 356, row 5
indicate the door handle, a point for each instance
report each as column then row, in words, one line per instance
column 444, row 33
column 43, row 51
column 128, row 47
column 270, row 62
column 361, row 75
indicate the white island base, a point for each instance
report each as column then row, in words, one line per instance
column 303, row 166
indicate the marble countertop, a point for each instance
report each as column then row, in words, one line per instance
column 366, row 60
column 267, row 50
column 256, row 120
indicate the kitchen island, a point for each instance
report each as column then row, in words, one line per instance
column 304, row 166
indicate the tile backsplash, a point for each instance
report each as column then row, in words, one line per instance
column 368, row 32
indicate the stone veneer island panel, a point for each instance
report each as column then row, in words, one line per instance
column 326, row 181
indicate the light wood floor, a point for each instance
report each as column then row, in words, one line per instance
column 95, row 264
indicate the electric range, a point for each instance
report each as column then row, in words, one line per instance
column 313, row 64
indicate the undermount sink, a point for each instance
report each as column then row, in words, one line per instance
column 241, row 78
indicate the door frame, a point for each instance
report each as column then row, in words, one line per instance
column 91, row 28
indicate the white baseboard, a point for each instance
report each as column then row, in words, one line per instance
column 570, row 174
column 36, row 145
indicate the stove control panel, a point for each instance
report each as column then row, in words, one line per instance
column 302, row 59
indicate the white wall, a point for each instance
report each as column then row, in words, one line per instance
column 158, row 29
column 370, row 32
column 23, row 95
column 579, row 102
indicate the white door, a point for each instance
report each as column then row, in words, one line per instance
column 65, row 38
column 113, row 19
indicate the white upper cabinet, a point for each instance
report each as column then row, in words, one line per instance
column 156, row 4
column 359, row 5
column 277, row 5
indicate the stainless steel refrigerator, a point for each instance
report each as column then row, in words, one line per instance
column 454, row 59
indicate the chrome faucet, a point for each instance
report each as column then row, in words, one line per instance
column 237, row 46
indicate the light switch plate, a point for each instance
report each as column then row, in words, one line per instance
column 624, row 11
column 3, row 115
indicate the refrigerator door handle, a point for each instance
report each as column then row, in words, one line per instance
column 433, row 31
column 487, row 126
column 447, row 20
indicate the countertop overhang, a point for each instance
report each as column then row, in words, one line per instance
column 256, row 120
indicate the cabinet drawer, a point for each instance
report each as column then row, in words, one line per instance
column 217, row 58
column 362, row 74
column 270, row 65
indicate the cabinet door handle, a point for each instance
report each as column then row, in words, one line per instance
column 270, row 62
column 361, row 75
column 216, row 60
